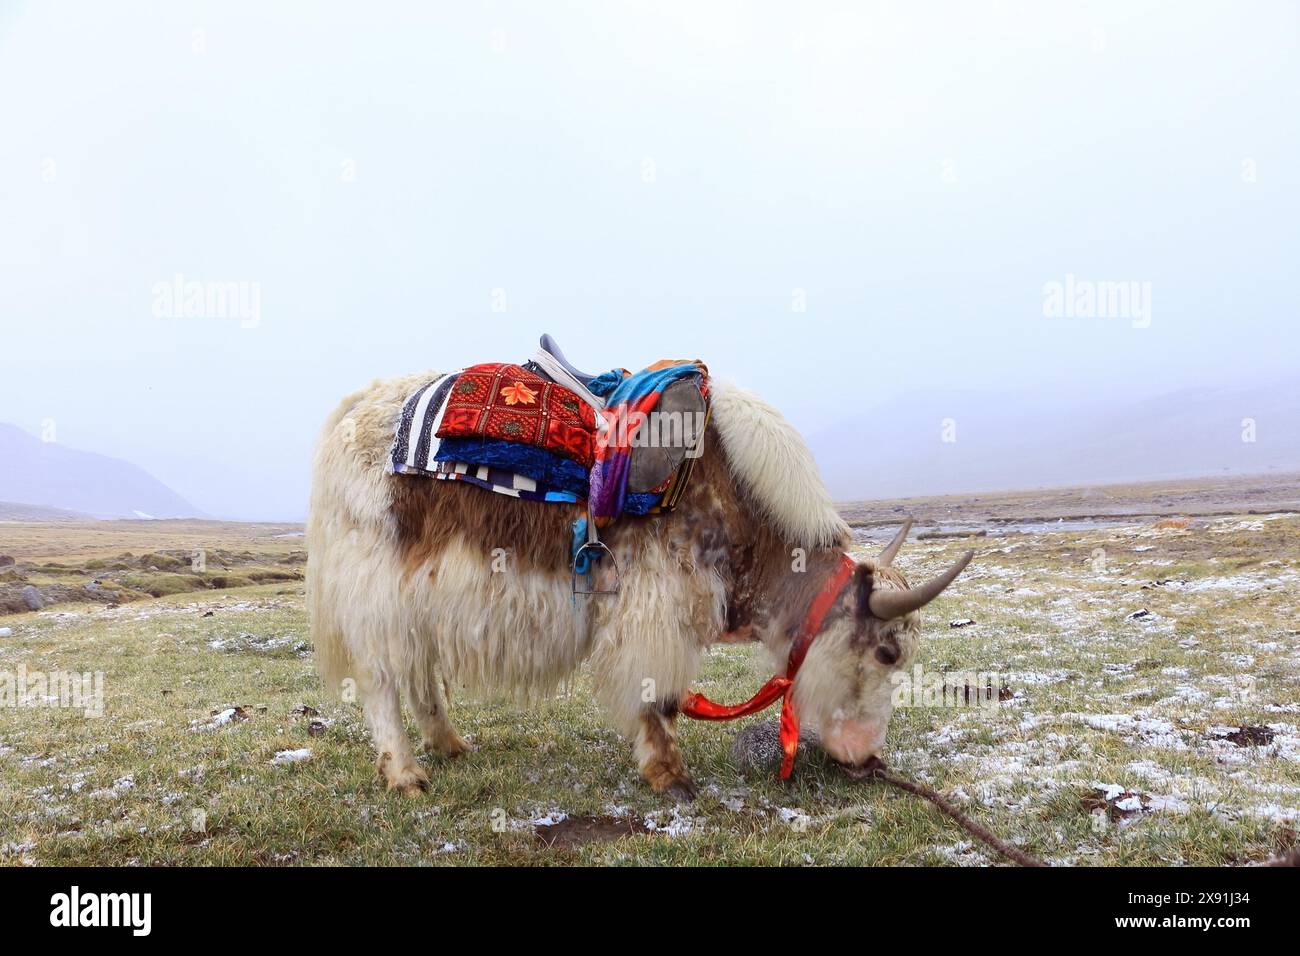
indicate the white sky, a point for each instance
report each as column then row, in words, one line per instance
column 920, row 169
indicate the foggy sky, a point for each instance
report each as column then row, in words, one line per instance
column 835, row 205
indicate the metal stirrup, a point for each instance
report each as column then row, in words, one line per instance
column 595, row 545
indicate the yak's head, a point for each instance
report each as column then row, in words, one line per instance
column 844, row 689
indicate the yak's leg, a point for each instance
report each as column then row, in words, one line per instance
column 659, row 757
column 396, row 763
column 639, row 691
column 436, row 729
column 647, row 651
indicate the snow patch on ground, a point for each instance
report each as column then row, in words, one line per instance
column 120, row 786
column 1148, row 731
column 221, row 718
column 291, row 756
column 671, row 824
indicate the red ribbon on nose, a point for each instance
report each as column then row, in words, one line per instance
column 700, row 707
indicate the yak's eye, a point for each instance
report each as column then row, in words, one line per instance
column 887, row 653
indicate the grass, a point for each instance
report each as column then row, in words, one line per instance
column 1133, row 707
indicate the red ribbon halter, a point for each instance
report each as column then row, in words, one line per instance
column 701, row 708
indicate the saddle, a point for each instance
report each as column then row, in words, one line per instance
column 621, row 443
column 650, row 465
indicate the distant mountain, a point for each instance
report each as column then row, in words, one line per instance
column 13, row 511
column 47, row 474
column 1006, row 441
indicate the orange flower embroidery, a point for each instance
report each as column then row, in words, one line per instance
column 518, row 394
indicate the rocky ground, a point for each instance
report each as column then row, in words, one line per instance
column 81, row 561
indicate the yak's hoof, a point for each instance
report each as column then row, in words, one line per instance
column 683, row 791
column 457, row 747
column 410, row 779
column 413, row 788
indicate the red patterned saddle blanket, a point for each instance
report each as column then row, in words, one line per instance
column 509, row 403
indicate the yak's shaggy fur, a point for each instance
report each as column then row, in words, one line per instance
column 769, row 457
column 405, row 595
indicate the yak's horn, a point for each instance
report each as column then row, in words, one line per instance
column 887, row 605
column 887, row 556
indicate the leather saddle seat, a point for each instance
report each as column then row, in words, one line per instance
column 552, row 347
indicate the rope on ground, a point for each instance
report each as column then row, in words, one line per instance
column 876, row 771
column 1015, row 854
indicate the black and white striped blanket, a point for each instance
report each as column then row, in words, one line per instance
column 416, row 440
column 498, row 480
